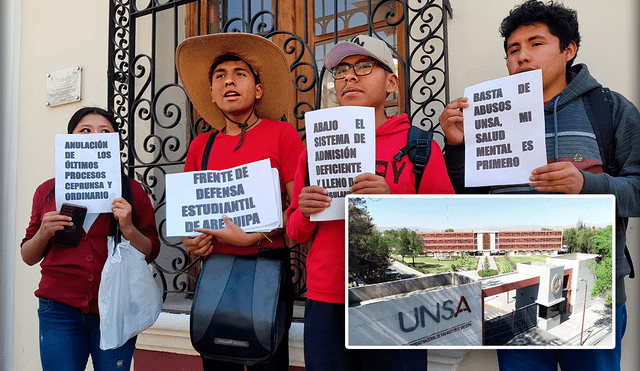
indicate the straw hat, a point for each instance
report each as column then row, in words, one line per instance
column 195, row 56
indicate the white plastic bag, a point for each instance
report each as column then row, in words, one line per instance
column 129, row 299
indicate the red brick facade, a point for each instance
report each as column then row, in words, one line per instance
column 508, row 241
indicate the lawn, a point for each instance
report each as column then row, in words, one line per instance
column 434, row 266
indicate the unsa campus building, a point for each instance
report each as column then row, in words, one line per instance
column 544, row 242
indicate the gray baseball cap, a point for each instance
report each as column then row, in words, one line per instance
column 360, row 45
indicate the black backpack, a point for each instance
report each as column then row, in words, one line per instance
column 599, row 107
column 418, row 148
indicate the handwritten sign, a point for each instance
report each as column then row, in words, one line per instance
column 88, row 170
column 504, row 130
column 340, row 146
column 246, row 194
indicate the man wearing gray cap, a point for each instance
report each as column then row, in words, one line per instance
column 364, row 75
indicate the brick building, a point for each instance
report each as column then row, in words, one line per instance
column 547, row 242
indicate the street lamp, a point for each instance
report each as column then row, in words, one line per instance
column 584, row 308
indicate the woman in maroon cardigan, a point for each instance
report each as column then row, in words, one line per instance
column 68, row 290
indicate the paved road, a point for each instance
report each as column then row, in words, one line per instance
column 405, row 270
column 492, row 263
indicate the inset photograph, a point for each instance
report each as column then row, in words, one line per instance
column 470, row 271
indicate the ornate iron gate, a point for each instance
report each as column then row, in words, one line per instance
column 157, row 120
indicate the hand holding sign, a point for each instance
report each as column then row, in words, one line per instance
column 123, row 212
column 312, row 200
column 231, row 234
column 368, row 183
column 558, row 177
column 452, row 121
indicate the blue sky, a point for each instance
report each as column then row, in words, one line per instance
column 474, row 212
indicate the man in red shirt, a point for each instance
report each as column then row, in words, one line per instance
column 248, row 90
column 364, row 75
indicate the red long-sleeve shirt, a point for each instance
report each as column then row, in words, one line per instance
column 277, row 141
column 71, row 275
column 325, row 261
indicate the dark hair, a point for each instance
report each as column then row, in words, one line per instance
column 562, row 22
column 82, row 112
column 230, row 58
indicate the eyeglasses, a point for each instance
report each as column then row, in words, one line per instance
column 360, row 69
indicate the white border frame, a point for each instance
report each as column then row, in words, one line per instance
column 489, row 197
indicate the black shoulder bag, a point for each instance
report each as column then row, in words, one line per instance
column 238, row 314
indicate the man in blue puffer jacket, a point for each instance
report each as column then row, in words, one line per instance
column 541, row 36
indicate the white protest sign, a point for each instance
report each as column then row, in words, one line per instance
column 504, row 130
column 88, row 170
column 198, row 199
column 341, row 144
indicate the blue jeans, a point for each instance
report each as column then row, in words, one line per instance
column 68, row 336
column 568, row 359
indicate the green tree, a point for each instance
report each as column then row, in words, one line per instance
column 369, row 255
column 360, row 224
column 603, row 242
column 569, row 238
column 585, row 240
column 408, row 243
column 394, row 242
column 602, row 269
column 449, row 230
column 602, row 284
column 373, row 259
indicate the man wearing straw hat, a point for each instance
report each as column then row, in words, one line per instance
column 241, row 85
column 364, row 75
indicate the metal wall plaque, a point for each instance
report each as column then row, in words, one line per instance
column 64, row 86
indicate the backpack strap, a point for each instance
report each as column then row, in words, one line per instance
column 418, row 148
column 599, row 107
column 627, row 255
column 207, row 150
column 125, row 188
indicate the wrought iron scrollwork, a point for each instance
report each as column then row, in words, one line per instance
column 430, row 88
column 157, row 120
